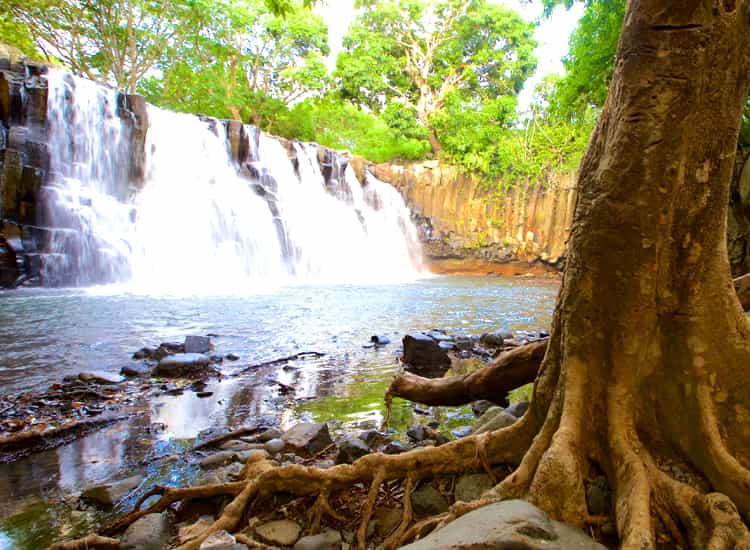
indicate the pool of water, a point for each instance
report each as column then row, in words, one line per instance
column 47, row 334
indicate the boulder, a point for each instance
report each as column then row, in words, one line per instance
column 327, row 540
column 427, row 501
column 351, row 449
column 107, row 494
column 197, row 344
column 269, row 434
column 183, row 365
column 506, row 524
column 471, row 486
column 424, row 356
column 100, row 377
column 151, row 532
column 275, row 445
column 281, row 532
column 308, row 438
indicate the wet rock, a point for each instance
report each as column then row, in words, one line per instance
column 380, row 340
column 269, row 434
column 327, row 540
column 471, row 486
column 221, row 541
column 511, row 524
column 281, row 532
column 427, row 501
column 144, row 353
column 274, row 446
column 395, row 448
column 135, row 371
column 197, row 344
column 183, row 365
column 308, row 437
column 492, row 340
column 231, row 357
column 518, row 409
column 351, row 449
column 100, row 377
column 424, row 356
column 464, row 343
column 151, row 532
column 420, row 434
column 203, row 394
column 239, row 445
column 107, row 494
column 439, row 335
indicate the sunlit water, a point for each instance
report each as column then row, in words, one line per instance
column 46, row 334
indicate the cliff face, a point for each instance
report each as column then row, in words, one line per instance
column 459, row 217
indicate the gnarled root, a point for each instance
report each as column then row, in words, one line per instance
column 89, row 542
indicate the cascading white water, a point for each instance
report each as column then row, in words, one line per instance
column 198, row 223
column 86, row 198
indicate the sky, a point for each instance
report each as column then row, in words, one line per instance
column 551, row 34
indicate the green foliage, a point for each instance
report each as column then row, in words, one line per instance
column 434, row 57
column 15, row 34
column 341, row 125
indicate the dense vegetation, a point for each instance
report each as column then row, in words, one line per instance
column 414, row 80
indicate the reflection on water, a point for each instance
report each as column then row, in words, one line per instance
column 46, row 334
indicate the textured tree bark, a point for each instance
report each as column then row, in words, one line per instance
column 647, row 367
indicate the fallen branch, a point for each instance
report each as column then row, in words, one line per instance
column 507, row 372
column 86, row 543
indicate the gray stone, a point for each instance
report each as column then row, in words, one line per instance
column 480, row 407
column 275, row 445
column 151, row 532
column 239, row 445
column 189, row 532
column 218, row 459
column 351, row 449
column 182, row 365
column 327, row 540
column 134, row 371
column 518, row 409
column 509, row 525
column 221, row 541
column 282, row 532
column 427, row 501
column 471, row 486
column 308, row 437
column 380, row 340
column 374, row 438
column 197, row 344
column 107, row 494
column 423, row 355
column 100, row 377
column 494, row 419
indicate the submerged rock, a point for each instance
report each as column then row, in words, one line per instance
column 134, row 371
column 507, row 524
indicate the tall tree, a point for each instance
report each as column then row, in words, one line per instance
column 246, row 63
column 419, row 55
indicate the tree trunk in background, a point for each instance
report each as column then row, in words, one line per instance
column 647, row 374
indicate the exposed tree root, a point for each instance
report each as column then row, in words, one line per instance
column 89, row 542
column 507, row 372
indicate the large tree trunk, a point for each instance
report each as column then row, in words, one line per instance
column 646, row 377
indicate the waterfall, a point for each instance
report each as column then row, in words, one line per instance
column 196, row 221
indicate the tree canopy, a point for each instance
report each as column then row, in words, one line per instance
column 429, row 59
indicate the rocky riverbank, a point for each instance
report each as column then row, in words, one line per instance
column 219, row 455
